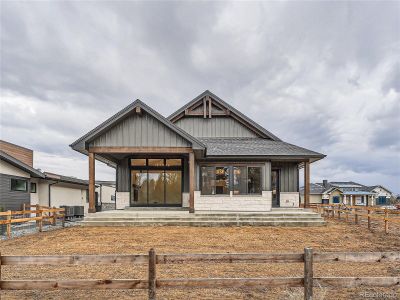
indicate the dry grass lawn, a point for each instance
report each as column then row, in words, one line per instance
column 127, row 240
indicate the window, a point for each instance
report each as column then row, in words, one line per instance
column 156, row 162
column 33, row 187
column 222, row 180
column 254, row 180
column 381, row 200
column 336, row 199
column 19, row 185
column 241, row 180
column 138, row 162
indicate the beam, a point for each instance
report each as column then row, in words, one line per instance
column 191, row 182
column 92, row 180
column 306, row 184
column 209, row 107
column 140, row 150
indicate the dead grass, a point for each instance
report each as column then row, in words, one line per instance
column 125, row 240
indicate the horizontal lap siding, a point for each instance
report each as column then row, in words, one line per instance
column 214, row 127
column 140, row 130
column 289, row 174
column 12, row 200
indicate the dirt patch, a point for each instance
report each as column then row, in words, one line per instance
column 128, row 240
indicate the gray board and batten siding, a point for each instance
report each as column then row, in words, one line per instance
column 140, row 130
column 214, row 127
column 289, row 176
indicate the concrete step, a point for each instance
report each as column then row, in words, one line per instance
column 156, row 219
column 214, row 223
column 183, row 215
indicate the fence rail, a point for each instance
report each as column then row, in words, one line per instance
column 42, row 213
column 368, row 212
column 152, row 284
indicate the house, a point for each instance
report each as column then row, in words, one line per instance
column 347, row 192
column 106, row 194
column 20, row 183
column 206, row 156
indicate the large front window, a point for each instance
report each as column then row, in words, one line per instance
column 221, row 180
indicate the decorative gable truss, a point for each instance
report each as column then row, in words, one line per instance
column 209, row 106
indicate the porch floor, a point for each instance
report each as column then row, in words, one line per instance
column 182, row 217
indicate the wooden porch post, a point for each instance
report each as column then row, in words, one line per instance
column 191, row 182
column 306, row 184
column 92, row 179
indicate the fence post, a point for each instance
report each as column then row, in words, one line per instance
column 63, row 218
column 355, row 216
column 9, row 224
column 308, row 273
column 0, row 270
column 152, row 274
column 37, row 214
column 54, row 217
column 386, row 221
column 369, row 218
column 40, row 214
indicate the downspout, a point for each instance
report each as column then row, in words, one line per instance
column 50, row 184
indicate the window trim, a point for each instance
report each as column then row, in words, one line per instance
column 231, row 166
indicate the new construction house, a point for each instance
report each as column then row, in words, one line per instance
column 206, row 156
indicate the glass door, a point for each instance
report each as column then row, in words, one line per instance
column 138, row 188
column 156, row 182
column 156, row 187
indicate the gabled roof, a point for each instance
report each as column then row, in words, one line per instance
column 249, row 122
column 80, row 144
column 371, row 188
column 19, row 164
column 255, row 147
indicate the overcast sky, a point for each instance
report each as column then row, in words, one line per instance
column 325, row 76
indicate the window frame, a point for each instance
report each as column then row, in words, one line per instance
column 231, row 175
column 15, row 190
column 35, row 189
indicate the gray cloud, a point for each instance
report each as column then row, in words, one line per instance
column 323, row 75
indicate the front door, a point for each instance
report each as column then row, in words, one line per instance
column 275, row 185
column 156, row 182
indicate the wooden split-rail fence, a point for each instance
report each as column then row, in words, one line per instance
column 30, row 213
column 357, row 212
column 308, row 281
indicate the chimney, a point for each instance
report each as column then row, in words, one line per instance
column 325, row 183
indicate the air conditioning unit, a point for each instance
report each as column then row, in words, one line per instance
column 69, row 211
column 79, row 211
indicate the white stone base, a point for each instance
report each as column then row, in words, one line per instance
column 289, row 199
column 245, row 203
column 122, row 199
column 185, row 199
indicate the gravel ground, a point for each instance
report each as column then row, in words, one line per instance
column 127, row 240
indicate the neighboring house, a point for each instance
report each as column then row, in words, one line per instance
column 206, row 156
column 21, row 183
column 347, row 192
